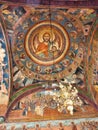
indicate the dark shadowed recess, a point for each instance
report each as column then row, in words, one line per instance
column 88, row 3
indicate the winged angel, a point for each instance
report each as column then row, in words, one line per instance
column 48, row 46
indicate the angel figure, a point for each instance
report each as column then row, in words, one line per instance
column 45, row 47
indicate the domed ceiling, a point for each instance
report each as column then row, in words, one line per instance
column 48, row 61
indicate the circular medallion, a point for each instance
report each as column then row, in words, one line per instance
column 46, row 44
column 48, row 50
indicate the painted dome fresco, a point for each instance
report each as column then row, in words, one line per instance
column 48, row 62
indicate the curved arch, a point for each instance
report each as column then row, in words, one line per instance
column 37, row 88
column 20, row 94
column 24, row 92
column 91, row 59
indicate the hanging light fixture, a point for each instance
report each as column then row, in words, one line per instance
column 67, row 98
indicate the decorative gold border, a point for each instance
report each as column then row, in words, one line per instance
column 45, row 63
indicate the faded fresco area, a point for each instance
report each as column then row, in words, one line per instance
column 4, row 72
column 80, row 124
column 48, row 67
